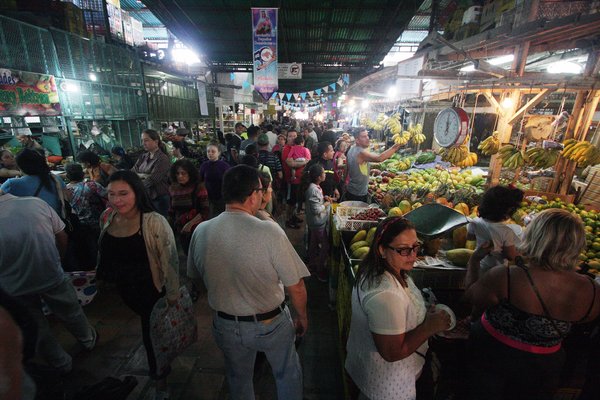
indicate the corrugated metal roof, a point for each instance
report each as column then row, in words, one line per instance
column 353, row 35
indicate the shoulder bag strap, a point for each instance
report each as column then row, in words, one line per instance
column 39, row 188
column 61, row 197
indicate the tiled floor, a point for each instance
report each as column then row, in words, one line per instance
column 199, row 373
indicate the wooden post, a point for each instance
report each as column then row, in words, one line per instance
column 582, row 127
column 504, row 131
column 585, row 105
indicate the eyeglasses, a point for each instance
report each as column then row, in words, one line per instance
column 406, row 251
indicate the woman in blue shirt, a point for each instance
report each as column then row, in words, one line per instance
column 38, row 180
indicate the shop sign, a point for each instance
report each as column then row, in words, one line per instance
column 27, row 94
column 264, row 45
column 289, row 70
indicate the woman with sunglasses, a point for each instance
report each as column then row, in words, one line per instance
column 390, row 323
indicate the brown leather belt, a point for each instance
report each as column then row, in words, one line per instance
column 256, row 317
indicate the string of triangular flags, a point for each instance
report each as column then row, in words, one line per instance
column 300, row 97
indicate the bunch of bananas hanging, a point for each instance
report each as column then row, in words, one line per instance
column 393, row 125
column 469, row 161
column 511, row 156
column 401, row 138
column 583, row 153
column 490, row 145
column 455, row 154
column 416, row 133
column 541, row 158
column 377, row 125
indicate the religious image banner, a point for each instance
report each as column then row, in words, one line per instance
column 264, row 45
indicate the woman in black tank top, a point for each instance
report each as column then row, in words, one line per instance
column 124, row 258
column 515, row 344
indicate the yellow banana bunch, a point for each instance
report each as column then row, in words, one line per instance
column 415, row 129
column 490, row 145
column 541, row 158
column 418, row 138
column 469, row 161
column 583, row 153
column 401, row 138
column 416, row 133
column 455, row 154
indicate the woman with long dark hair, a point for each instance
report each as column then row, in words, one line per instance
column 189, row 200
column 37, row 182
column 139, row 255
column 390, row 323
column 153, row 167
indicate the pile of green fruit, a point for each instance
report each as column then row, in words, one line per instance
column 425, row 157
column 591, row 220
column 361, row 242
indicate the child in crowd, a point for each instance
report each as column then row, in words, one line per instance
column 317, row 217
column 497, row 206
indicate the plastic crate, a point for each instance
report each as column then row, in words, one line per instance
column 344, row 222
column 349, row 224
column 348, row 211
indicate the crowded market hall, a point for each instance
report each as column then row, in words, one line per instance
column 321, row 200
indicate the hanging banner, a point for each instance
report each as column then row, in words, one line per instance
column 264, row 42
column 27, row 94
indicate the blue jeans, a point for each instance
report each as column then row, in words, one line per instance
column 240, row 341
column 161, row 204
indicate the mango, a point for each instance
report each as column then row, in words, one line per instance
column 405, row 206
column 371, row 235
column 357, row 245
column 459, row 257
column 361, row 252
column 360, row 235
column 395, row 212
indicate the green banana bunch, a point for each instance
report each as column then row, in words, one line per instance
column 490, row 145
column 512, row 157
column 541, row 158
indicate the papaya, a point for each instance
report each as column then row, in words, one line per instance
column 432, row 246
column 462, row 208
column 360, row 235
column 459, row 257
column 361, row 252
column 357, row 245
column 459, row 237
column 371, row 235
